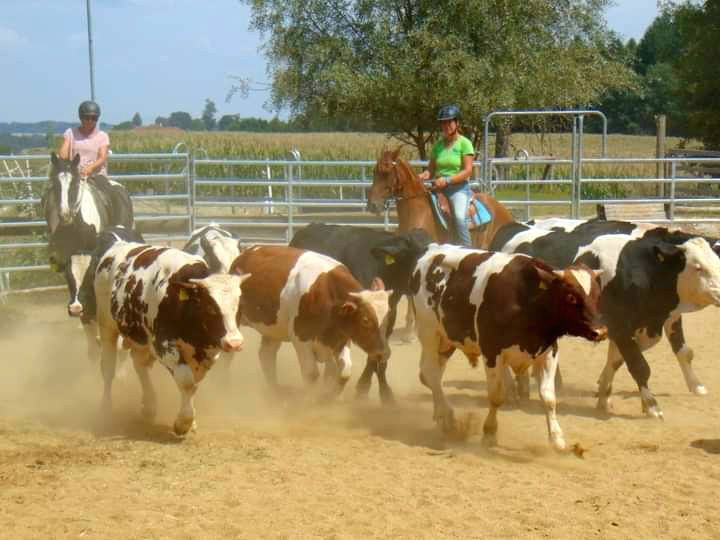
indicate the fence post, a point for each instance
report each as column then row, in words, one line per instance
column 574, row 188
column 192, row 193
column 661, row 124
column 673, row 173
column 578, row 169
column 291, row 204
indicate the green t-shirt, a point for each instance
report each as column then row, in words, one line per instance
column 448, row 161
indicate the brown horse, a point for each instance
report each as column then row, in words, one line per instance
column 394, row 178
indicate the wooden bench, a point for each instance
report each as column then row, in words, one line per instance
column 651, row 211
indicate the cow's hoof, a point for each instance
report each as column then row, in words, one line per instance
column 654, row 412
column 699, row 390
column 183, row 425
column 558, row 443
column 387, row 398
column 447, row 423
column 604, row 407
column 489, row 440
column 148, row 413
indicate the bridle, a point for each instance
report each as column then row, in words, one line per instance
column 73, row 209
column 396, row 188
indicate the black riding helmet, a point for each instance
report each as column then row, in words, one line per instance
column 449, row 112
column 89, row 108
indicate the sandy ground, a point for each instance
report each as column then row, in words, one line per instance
column 260, row 468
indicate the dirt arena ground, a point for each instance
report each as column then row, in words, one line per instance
column 258, row 468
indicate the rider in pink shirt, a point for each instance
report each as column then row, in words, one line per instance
column 87, row 140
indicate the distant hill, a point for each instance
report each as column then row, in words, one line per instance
column 44, row 127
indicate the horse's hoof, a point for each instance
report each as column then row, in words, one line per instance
column 183, row 425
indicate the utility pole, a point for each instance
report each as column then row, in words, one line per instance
column 90, row 50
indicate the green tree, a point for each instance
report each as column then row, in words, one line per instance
column 208, row 115
column 124, row 126
column 197, row 125
column 227, row 121
column 392, row 63
column 136, row 120
column 698, row 68
column 180, row 119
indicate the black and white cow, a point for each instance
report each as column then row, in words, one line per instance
column 649, row 279
column 511, row 310
column 166, row 305
column 673, row 327
column 217, row 246
column 370, row 255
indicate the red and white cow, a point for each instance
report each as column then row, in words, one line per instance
column 315, row 303
column 511, row 309
column 166, row 306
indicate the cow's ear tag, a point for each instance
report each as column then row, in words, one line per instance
column 389, row 259
column 660, row 256
column 543, row 285
column 184, row 295
column 54, row 267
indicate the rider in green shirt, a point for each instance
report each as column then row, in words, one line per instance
column 450, row 167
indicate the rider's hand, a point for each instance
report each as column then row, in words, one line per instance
column 439, row 183
column 85, row 170
column 424, row 176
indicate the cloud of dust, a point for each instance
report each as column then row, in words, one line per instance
column 48, row 378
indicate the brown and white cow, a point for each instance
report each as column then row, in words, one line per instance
column 510, row 309
column 166, row 306
column 314, row 302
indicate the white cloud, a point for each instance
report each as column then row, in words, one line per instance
column 10, row 39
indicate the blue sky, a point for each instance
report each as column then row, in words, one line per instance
column 151, row 56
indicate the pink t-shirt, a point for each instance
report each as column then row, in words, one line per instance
column 87, row 146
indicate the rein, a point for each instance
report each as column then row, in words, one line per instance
column 397, row 187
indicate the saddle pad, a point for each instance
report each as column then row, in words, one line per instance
column 483, row 216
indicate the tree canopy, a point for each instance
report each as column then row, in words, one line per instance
column 392, row 63
column 698, row 68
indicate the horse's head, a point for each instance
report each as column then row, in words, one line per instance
column 386, row 180
column 66, row 186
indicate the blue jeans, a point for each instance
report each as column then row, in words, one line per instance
column 459, row 197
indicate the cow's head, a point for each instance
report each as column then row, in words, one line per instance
column 398, row 255
column 67, row 187
column 220, row 252
column 570, row 301
column 699, row 280
column 364, row 318
column 208, row 311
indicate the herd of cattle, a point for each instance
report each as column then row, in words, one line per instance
column 334, row 285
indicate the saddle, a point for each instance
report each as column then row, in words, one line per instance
column 477, row 214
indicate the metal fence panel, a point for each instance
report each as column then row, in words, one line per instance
column 267, row 200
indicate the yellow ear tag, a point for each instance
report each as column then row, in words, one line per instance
column 183, row 295
column 389, row 259
column 54, row 267
column 660, row 257
column 543, row 285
